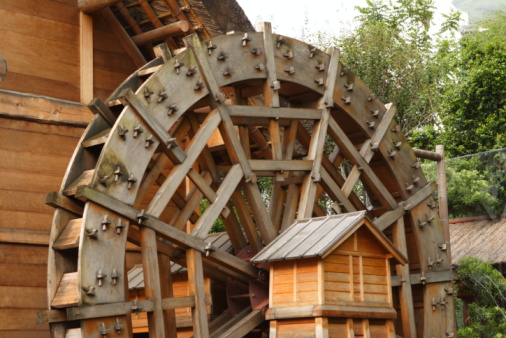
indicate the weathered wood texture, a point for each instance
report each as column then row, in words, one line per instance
column 40, row 42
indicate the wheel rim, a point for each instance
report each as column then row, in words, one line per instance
column 128, row 177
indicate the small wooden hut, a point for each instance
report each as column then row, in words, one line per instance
column 331, row 275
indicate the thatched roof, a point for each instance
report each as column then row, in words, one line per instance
column 207, row 18
column 485, row 239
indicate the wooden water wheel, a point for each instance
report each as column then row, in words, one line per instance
column 216, row 118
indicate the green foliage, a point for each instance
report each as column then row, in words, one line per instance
column 218, row 225
column 474, row 114
column 476, row 184
column 393, row 52
column 487, row 318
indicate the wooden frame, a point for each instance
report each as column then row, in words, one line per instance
column 163, row 137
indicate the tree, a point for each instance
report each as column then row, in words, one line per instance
column 396, row 55
column 487, row 317
column 474, row 112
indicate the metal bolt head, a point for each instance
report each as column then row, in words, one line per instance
column 105, row 222
column 138, row 130
column 256, row 51
column 245, row 39
column 191, row 71
column 375, row 113
column 115, row 276
column 320, row 67
column 178, row 65
column 319, row 82
column 92, row 233
column 100, row 277
column 90, row 290
column 290, row 70
column 172, row 109
column 210, row 48
column 288, row 54
column 312, row 52
column 162, row 96
column 118, row 326
column 131, row 180
column 147, row 94
column 103, row 180
column 198, row 86
column 141, row 216
column 117, row 174
column 119, row 226
column 279, row 41
column 260, row 67
column 149, row 140
column 221, row 56
column 122, row 132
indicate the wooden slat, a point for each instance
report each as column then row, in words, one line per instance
column 374, row 183
column 67, row 292
column 224, row 193
column 69, row 238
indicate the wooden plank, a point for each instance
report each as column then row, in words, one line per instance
column 280, row 165
column 389, row 217
column 57, row 200
column 174, row 235
column 278, row 113
column 69, row 237
column 246, row 221
column 84, row 179
column 23, row 297
column 86, row 56
column 21, row 323
column 41, row 108
column 196, row 287
column 67, row 292
column 106, row 310
column 245, row 325
column 370, row 178
column 227, row 187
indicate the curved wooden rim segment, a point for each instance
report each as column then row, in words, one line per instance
column 197, row 118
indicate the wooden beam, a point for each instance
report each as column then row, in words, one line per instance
column 278, row 113
column 169, row 315
column 223, row 194
column 123, row 38
column 390, row 217
column 196, row 288
column 172, row 234
column 91, row 6
column 86, row 56
column 161, row 33
column 315, row 151
column 348, row 149
column 57, row 200
column 245, row 325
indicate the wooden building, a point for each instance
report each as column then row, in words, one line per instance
column 330, row 277
column 54, row 59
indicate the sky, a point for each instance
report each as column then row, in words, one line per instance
column 288, row 16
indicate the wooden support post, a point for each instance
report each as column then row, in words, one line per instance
column 405, row 294
column 152, row 289
column 196, row 287
column 443, row 198
column 86, row 56
column 167, row 292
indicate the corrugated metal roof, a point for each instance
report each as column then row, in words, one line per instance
column 309, row 237
column 484, row 239
column 136, row 277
